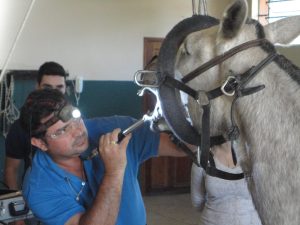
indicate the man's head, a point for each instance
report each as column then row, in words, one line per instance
column 52, row 75
column 47, row 116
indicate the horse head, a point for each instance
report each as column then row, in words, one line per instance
column 233, row 30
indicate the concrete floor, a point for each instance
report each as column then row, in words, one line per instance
column 173, row 209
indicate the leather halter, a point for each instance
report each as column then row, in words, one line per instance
column 221, row 58
column 234, row 85
column 169, row 86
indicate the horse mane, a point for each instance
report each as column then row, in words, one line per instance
column 284, row 63
column 289, row 67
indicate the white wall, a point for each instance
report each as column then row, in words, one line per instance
column 98, row 39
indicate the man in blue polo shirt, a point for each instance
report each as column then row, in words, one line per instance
column 68, row 183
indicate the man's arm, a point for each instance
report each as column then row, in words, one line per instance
column 16, row 148
column 106, row 205
column 11, row 172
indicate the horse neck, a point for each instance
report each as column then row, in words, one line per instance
column 273, row 113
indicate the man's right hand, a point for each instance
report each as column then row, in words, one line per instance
column 113, row 154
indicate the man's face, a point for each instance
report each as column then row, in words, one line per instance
column 64, row 140
column 53, row 82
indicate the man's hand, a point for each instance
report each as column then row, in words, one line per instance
column 113, row 154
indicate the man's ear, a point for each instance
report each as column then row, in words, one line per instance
column 39, row 143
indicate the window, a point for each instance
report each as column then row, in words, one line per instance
column 291, row 8
column 272, row 10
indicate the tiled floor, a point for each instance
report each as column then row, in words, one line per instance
column 173, row 209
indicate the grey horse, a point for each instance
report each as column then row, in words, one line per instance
column 268, row 146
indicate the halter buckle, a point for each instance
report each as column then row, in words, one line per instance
column 228, row 88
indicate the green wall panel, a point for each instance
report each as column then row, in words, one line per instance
column 104, row 98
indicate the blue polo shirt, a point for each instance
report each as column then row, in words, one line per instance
column 55, row 195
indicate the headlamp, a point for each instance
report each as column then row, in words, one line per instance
column 68, row 112
column 64, row 114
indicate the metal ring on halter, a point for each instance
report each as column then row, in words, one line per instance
column 139, row 81
column 229, row 81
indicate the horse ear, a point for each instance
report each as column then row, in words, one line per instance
column 234, row 18
column 283, row 31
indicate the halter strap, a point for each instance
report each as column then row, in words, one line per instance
column 221, row 58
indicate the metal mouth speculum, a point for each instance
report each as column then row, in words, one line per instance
column 149, row 81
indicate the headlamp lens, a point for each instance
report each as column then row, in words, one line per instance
column 66, row 113
column 76, row 113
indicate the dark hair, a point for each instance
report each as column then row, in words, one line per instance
column 51, row 68
column 38, row 105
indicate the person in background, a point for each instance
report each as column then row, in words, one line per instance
column 51, row 75
column 17, row 147
column 81, row 173
column 222, row 201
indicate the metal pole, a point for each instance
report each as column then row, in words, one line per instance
column 205, row 7
column 16, row 40
column 193, row 7
column 202, row 7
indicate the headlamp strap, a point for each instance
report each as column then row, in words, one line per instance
column 43, row 127
column 62, row 112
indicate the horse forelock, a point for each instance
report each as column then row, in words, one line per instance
column 260, row 33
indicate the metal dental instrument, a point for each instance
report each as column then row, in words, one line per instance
column 153, row 116
column 147, row 117
column 137, row 124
